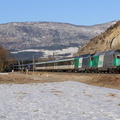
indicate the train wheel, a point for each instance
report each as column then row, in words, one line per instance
column 117, row 71
column 96, row 71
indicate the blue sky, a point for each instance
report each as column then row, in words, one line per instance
column 78, row 12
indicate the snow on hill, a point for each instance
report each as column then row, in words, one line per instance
column 58, row 53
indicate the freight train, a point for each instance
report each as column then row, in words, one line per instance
column 106, row 61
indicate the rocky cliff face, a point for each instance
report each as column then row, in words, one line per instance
column 109, row 40
column 47, row 35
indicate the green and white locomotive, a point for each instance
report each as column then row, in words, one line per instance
column 107, row 61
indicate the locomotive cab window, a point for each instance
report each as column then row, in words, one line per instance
column 91, row 58
column 118, row 56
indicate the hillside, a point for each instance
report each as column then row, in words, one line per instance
column 42, row 36
column 109, row 40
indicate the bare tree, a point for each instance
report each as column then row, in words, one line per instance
column 5, row 59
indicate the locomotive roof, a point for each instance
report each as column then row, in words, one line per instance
column 110, row 52
column 86, row 55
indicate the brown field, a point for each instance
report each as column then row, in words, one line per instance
column 102, row 80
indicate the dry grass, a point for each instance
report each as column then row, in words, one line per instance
column 118, row 105
column 102, row 80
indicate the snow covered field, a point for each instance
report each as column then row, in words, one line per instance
column 58, row 101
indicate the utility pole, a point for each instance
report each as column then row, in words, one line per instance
column 33, row 64
column 22, row 63
column 53, row 57
column 19, row 66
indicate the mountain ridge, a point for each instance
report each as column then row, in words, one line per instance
column 47, row 35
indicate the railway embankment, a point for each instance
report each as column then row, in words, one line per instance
column 102, row 80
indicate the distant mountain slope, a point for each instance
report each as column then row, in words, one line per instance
column 47, row 35
column 108, row 40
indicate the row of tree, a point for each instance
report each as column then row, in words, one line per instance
column 5, row 59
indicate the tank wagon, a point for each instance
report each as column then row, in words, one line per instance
column 106, row 61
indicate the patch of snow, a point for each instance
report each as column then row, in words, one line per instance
column 58, row 101
column 4, row 73
column 70, row 50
